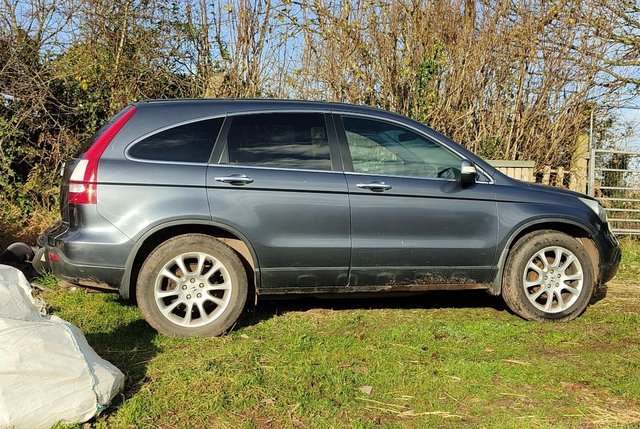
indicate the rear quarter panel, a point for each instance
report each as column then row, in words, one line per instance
column 136, row 196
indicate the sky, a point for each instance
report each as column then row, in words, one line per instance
column 630, row 116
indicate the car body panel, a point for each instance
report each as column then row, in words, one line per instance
column 422, row 230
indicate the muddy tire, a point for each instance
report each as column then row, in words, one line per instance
column 548, row 276
column 192, row 285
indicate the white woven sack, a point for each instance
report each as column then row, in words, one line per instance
column 48, row 371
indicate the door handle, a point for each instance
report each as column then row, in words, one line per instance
column 374, row 186
column 234, row 179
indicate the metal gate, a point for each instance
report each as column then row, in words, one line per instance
column 614, row 179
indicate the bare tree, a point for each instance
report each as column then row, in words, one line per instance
column 509, row 80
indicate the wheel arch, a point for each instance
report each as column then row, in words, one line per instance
column 160, row 233
column 573, row 228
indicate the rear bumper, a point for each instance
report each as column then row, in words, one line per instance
column 66, row 269
column 96, row 254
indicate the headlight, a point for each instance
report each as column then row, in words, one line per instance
column 596, row 207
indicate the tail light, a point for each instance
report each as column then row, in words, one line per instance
column 84, row 178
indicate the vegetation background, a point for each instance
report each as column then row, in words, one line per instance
column 508, row 79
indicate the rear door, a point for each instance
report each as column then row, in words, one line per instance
column 276, row 179
column 412, row 222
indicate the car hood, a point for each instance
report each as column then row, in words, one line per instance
column 558, row 191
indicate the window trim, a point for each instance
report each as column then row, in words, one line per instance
column 168, row 127
column 346, row 153
column 335, row 154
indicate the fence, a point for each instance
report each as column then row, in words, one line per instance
column 610, row 175
column 526, row 171
column 614, row 179
column 521, row 170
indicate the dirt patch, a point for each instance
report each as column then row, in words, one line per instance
column 603, row 409
column 623, row 289
column 621, row 296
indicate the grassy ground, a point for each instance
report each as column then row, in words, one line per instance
column 438, row 360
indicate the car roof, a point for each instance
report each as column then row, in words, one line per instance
column 248, row 104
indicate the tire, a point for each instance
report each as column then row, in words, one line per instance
column 536, row 286
column 201, row 302
column 22, row 252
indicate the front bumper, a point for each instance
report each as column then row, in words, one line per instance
column 610, row 254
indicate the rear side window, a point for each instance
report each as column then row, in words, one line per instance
column 191, row 142
column 282, row 140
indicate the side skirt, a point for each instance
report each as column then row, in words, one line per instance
column 370, row 289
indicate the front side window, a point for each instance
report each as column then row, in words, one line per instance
column 281, row 140
column 191, row 142
column 379, row 147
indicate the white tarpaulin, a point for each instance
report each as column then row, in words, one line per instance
column 48, row 371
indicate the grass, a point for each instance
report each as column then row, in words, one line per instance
column 439, row 360
column 47, row 280
column 630, row 266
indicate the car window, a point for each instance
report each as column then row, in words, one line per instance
column 191, row 142
column 379, row 147
column 283, row 140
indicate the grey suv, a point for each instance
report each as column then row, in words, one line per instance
column 192, row 206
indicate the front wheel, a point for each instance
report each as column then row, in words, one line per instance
column 192, row 285
column 548, row 276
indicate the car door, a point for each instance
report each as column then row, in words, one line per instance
column 412, row 222
column 276, row 178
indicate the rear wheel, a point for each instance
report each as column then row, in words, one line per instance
column 192, row 285
column 548, row 276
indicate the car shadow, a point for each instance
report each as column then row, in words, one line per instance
column 599, row 294
column 273, row 306
column 130, row 347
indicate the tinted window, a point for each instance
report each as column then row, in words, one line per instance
column 185, row 143
column 284, row 140
column 383, row 148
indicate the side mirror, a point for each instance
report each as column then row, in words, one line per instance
column 468, row 173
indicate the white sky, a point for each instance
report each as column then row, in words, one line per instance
column 630, row 117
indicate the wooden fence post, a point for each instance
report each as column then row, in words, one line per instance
column 560, row 177
column 546, row 175
column 580, row 164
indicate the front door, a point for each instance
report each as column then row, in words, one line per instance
column 412, row 222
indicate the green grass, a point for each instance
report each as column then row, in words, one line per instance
column 439, row 360
column 630, row 266
column 47, row 280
